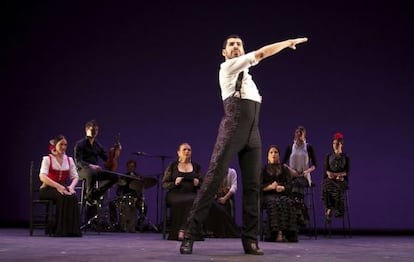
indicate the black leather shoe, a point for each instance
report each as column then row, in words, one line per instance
column 90, row 201
column 251, row 248
column 186, row 246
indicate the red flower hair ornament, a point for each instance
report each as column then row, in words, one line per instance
column 338, row 136
column 51, row 145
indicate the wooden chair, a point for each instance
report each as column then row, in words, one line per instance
column 41, row 211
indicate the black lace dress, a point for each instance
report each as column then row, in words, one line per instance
column 280, row 208
column 333, row 189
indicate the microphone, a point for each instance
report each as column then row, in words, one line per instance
column 140, row 153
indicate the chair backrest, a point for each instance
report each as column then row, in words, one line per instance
column 40, row 210
column 31, row 189
column 34, row 183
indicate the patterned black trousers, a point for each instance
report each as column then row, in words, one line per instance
column 239, row 135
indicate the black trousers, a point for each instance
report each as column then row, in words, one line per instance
column 239, row 135
column 91, row 176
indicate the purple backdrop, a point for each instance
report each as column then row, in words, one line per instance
column 149, row 72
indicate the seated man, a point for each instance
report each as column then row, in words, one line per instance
column 227, row 190
column 87, row 153
column 130, row 199
column 221, row 221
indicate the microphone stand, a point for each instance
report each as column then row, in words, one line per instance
column 160, row 187
column 159, row 180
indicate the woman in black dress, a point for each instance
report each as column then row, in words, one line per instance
column 277, row 201
column 182, row 179
column 335, row 181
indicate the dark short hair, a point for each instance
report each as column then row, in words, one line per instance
column 131, row 161
column 231, row 36
column 91, row 123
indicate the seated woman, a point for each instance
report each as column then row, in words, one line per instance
column 335, row 181
column 280, row 207
column 55, row 172
column 182, row 179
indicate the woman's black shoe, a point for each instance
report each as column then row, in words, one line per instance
column 186, row 246
column 251, row 248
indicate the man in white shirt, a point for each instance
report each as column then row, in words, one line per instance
column 238, row 135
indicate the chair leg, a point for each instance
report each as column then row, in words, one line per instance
column 261, row 221
column 346, row 221
column 49, row 218
column 82, row 201
column 311, row 205
column 346, row 218
column 31, row 171
column 31, row 218
column 164, row 221
column 328, row 228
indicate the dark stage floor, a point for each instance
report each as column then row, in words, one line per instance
column 17, row 245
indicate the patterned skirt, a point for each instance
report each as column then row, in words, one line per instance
column 281, row 213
